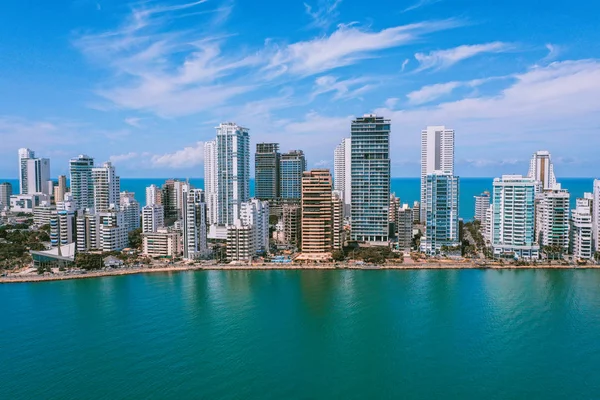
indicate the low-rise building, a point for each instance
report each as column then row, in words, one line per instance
column 240, row 243
column 162, row 243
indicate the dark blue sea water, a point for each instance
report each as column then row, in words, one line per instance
column 408, row 189
column 462, row 334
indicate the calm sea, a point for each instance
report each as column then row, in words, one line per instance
column 463, row 334
column 408, row 189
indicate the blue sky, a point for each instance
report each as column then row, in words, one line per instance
column 144, row 83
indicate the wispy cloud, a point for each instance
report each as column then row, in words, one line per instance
column 346, row 46
column 343, row 89
column 116, row 159
column 553, row 52
column 429, row 93
column 441, row 59
column 421, row 3
column 132, row 121
column 324, row 14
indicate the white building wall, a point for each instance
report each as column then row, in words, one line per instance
column 210, row 180
column 343, row 172
column 437, row 154
column 596, row 215
column 582, row 233
column 255, row 213
column 153, row 218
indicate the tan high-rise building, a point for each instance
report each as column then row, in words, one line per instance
column 338, row 220
column 317, row 213
column 291, row 224
column 61, row 189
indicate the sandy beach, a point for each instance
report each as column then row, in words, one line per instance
column 34, row 277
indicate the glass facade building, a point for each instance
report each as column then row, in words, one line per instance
column 370, row 171
column 441, row 213
column 291, row 167
column 82, row 185
column 266, row 171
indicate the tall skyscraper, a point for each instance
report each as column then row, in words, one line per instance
column 153, row 218
column 211, row 181
column 24, row 155
column 581, row 229
column 107, row 187
column 61, row 189
column 513, row 217
column 338, row 220
column 342, row 172
column 227, row 173
column 194, row 225
column 317, row 212
column 131, row 208
column 292, row 165
column 437, row 154
column 370, row 172
column 266, row 171
column 542, row 170
column 173, row 196
column 404, row 227
column 82, row 186
column 153, row 195
column 552, row 218
column 441, row 215
column 596, row 215
column 5, row 193
column 34, row 173
column 482, row 203
column 292, row 218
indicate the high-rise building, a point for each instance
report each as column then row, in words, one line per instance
column 255, row 213
column 482, row 203
column 194, row 225
column 227, row 173
column 153, row 218
column 291, row 167
column 131, row 208
column 292, row 216
column 153, row 195
column 107, row 187
column 552, row 218
column 338, row 220
column 82, row 185
column 581, row 229
column 317, row 212
column 105, row 231
column 393, row 210
column 34, row 173
column 24, row 155
column 63, row 228
column 404, row 227
column 441, row 223
column 513, row 219
column 342, row 172
column 437, row 154
column 541, row 169
column 416, row 209
column 266, row 171
column 210, row 181
column 596, row 215
column 5, row 193
column 370, row 172
column 173, row 196
column 240, row 243
column 60, row 189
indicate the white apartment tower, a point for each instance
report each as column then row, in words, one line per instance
column 342, row 172
column 153, row 195
column 152, row 218
column 513, row 219
column 107, row 187
column 210, row 180
column 34, row 173
column 581, row 229
column 131, row 208
column 255, row 213
column 552, row 218
column 194, row 225
column 82, row 186
column 482, row 203
column 541, row 169
column 596, row 215
column 437, row 154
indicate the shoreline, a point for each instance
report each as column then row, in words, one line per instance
column 32, row 278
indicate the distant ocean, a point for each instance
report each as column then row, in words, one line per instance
column 408, row 189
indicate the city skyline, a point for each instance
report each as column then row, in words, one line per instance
column 93, row 86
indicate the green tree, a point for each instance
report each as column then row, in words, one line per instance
column 338, row 255
column 135, row 238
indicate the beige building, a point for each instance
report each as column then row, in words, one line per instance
column 317, row 215
column 338, row 220
column 162, row 243
column 291, row 224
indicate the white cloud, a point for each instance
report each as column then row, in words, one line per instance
column 420, row 3
column 123, row 157
column 190, row 156
column 344, row 89
column 429, row 93
column 404, row 64
column 324, row 14
column 346, row 46
column 132, row 121
column 441, row 59
column 391, row 102
column 553, row 52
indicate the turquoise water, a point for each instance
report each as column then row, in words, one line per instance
column 408, row 189
column 463, row 334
